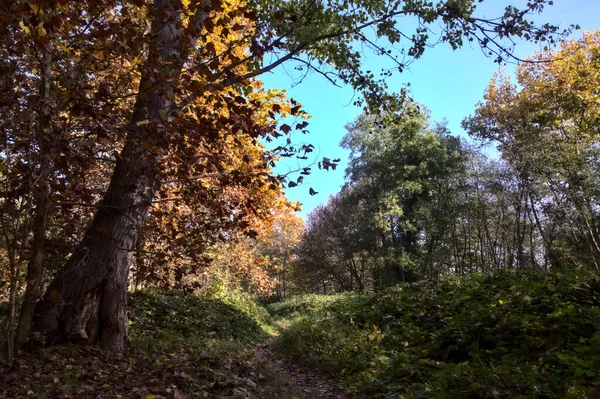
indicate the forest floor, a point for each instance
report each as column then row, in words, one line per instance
column 175, row 352
column 303, row 383
column 504, row 335
column 86, row 372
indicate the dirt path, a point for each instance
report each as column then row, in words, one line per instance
column 288, row 381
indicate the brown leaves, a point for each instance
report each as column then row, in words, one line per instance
column 327, row 163
column 285, row 128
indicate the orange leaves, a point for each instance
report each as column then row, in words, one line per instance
column 206, row 137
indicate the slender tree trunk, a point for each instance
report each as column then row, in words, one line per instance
column 87, row 301
column 35, row 268
column 283, row 277
column 12, row 304
column 140, row 262
column 547, row 243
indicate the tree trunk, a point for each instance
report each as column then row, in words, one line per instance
column 140, row 262
column 87, row 301
column 35, row 268
column 12, row 305
column 88, row 298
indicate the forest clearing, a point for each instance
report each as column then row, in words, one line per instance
column 150, row 248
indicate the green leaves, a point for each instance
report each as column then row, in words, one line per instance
column 504, row 334
column 323, row 35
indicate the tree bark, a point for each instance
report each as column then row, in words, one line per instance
column 87, row 301
column 12, row 305
column 35, row 268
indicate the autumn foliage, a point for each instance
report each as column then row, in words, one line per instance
column 211, row 173
column 132, row 132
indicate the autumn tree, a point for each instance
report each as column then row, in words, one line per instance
column 548, row 132
column 50, row 125
column 278, row 244
column 85, row 148
column 185, row 74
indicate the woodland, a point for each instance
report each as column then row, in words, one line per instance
column 148, row 249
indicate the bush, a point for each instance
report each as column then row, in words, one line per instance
column 502, row 335
column 166, row 318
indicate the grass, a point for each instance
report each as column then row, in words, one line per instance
column 502, row 335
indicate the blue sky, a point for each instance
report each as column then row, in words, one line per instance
column 449, row 83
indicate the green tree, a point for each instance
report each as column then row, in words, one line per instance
column 405, row 174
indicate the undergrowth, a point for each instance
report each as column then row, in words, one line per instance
column 162, row 318
column 181, row 346
column 508, row 334
column 503, row 335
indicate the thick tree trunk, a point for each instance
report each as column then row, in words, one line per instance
column 35, row 268
column 87, row 301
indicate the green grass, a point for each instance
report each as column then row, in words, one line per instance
column 505, row 335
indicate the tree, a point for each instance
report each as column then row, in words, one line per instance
column 279, row 245
column 548, row 132
column 332, row 250
column 395, row 217
column 197, row 69
column 83, row 146
column 404, row 174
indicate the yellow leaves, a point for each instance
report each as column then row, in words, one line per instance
column 567, row 87
column 40, row 30
column 62, row 47
column 24, row 27
column 225, row 32
column 22, row 265
column 66, row 94
column 35, row 8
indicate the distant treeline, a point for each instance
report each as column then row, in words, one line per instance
column 420, row 202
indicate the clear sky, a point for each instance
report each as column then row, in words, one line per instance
column 449, row 83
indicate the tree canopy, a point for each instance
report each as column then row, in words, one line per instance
column 420, row 202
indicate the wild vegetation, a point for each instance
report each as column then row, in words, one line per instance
column 506, row 334
column 142, row 222
column 180, row 346
column 420, row 203
column 133, row 135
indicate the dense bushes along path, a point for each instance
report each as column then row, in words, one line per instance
column 508, row 334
